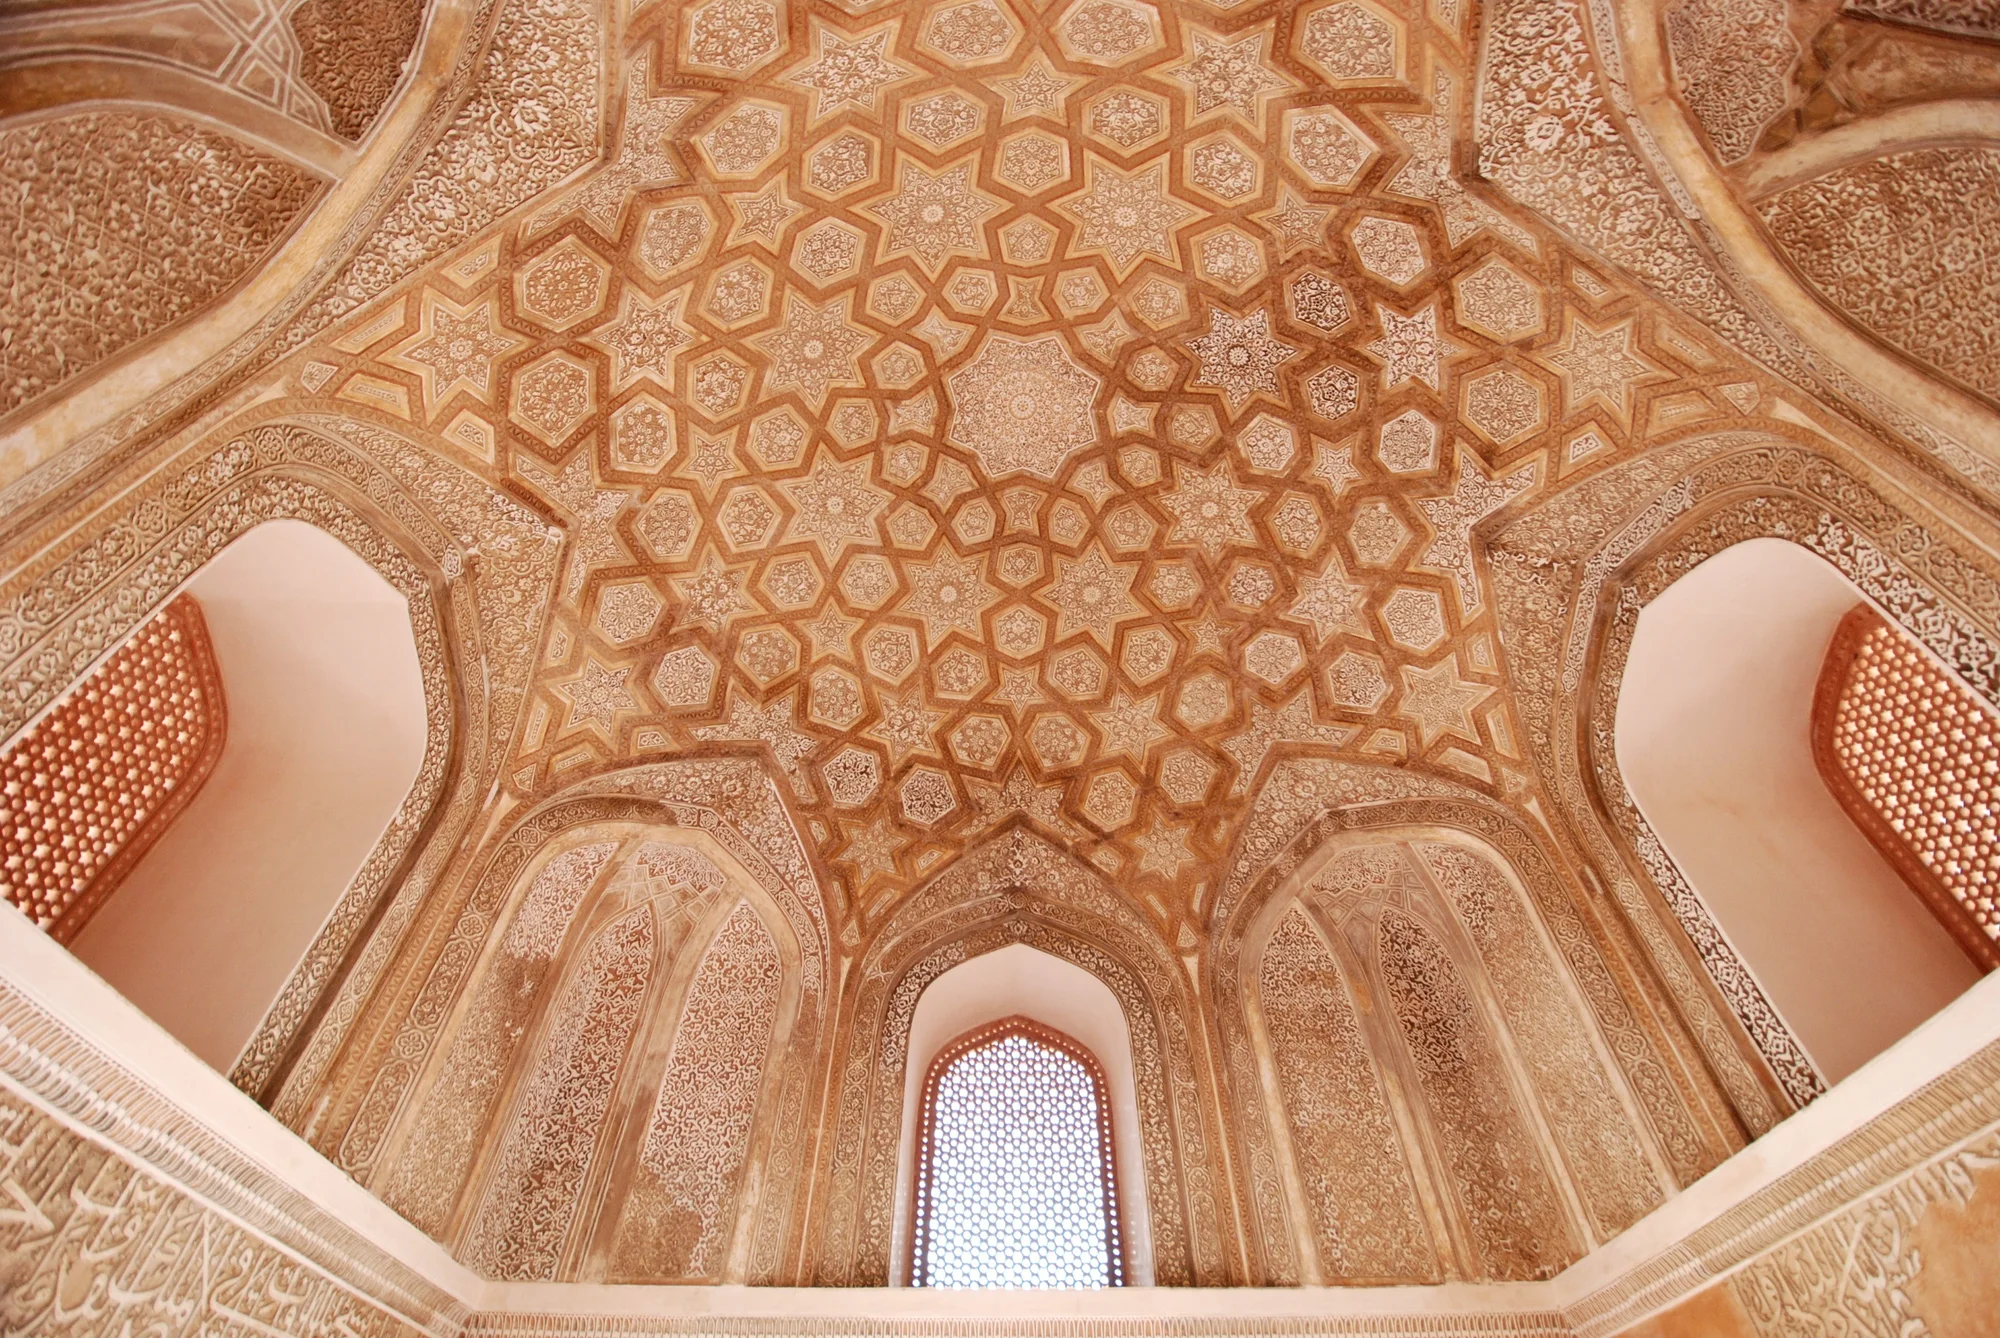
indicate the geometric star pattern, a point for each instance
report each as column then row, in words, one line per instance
column 857, row 256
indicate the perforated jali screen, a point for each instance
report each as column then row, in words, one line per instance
column 86, row 790
column 1015, row 1186
column 1914, row 757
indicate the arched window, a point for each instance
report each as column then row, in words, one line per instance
column 1016, row 1186
column 1715, row 741
column 187, row 815
column 1914, row 758
column 89, row 788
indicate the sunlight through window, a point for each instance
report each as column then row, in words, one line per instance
column 1015, row 1186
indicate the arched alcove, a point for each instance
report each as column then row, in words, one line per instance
column 1019, row 980
column 1017, row 888
column 604, row 1102
column 1714, row 741
column 326, row 730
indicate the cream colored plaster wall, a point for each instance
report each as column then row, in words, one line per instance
column 1713, row 738
column 1024, row 981
column 326, row 732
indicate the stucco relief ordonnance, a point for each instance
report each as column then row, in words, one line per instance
column 415, row 1092
column 1562, row 130
column 988, row 473
column 352, row 55
column 328, row 68
column 1309, row 806
column 505, row 101
column 1899, row 244
column 117, row 225
column 1018, row 887
column 802, row 521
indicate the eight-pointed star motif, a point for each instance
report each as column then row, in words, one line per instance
column 1126, row 215
column 1092, row 594
column 836, row 504
column 1238, row 355
column 932, row 217
column 1229, row 74
column 848, row 72
column 815, row 349
column 1210, row 510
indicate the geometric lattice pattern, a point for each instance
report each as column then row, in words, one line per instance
column 1015, row 1185
column 1921, row 755
column 89, row 788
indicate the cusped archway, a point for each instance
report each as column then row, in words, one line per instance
column 1018, row 888
column 1714, row 738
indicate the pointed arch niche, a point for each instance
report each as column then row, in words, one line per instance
column 1440, row 1102
column 317, row 721
column 1017, row 888
column 1017, row 980
column 602, row 1107
column 1715, row 741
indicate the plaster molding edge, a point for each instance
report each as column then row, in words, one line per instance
column 125, row 382
column 1739, row 234
column 1925, row 125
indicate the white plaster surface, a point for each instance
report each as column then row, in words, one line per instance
column 326, row 732
column 1714, row 741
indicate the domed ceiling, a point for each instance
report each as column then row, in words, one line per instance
column 996, row 408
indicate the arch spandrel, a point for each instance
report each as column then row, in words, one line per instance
column 474, row 567
column 1017, row 887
